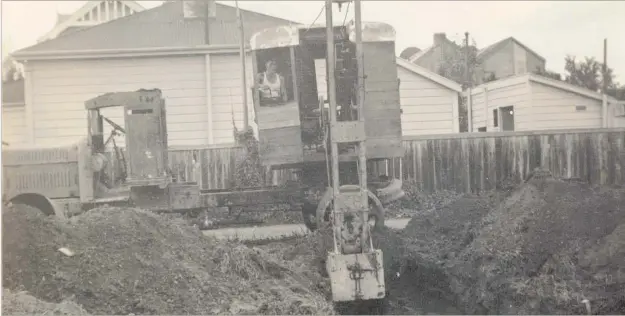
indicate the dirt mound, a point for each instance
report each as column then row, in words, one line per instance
column 21, row 303
column 545, row 249
column 131, row 261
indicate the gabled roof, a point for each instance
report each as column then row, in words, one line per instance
column 163, row 26
column 531, row 77
column 489, row 50
column 450, row 84
column 567, row 87
column 414, row 58
column 65, row 21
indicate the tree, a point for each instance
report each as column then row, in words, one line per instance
column 454, row 66
column 548, row 74
column 588, row 73
column 11, row 70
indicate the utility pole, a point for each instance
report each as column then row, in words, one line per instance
column 605, row 83
column 243, row 72
column 467, row 84
column 467, row 75
column 605, row 65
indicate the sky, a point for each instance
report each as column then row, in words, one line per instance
column 553, row 29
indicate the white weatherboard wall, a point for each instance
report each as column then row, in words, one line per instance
column 495, row 96
column 60, row 89
column 427, row 106
column 537, row 106
column 227, row 96
column 196, row 99
column 13, row 124
column 555, row 108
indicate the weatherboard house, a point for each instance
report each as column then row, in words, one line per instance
column 194, row 61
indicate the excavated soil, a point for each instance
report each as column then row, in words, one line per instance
column 130, row 261
column 21, row 303
column 548, row 247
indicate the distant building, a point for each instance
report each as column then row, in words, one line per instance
column 507, row 58
column 503, row 59
column 531, row 102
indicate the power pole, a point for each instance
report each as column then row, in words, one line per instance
column 243, row 72
column 467, row 84
column 604, row 105
column 605, row 65
column 467, row 75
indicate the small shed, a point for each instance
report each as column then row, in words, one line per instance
column 532, row 102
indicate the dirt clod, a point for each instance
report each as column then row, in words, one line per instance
column 549, row 247
column 21, row 303
column 128, row 261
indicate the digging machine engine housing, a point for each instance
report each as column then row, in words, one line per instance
column 145, row 127
column 305, row 127
column 145, row 132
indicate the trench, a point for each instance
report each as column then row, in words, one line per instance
column 417, row 291
column 412, row 289
column 420, row 290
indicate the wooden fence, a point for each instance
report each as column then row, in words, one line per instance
column 467, row 162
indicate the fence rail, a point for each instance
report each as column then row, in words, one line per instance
column 467, row 162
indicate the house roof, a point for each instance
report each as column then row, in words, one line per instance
column 418, row 55
column 65, row 21
column 531, row 77
column 489, row 50
column 13, row 92
column 415, row 57
column 163, row 26
column 408, row 52
column 450, row 84
column 567, row 87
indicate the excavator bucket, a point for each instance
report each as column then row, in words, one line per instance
column 358, row 276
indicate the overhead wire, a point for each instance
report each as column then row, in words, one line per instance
column 317, row 18
column 346, row 12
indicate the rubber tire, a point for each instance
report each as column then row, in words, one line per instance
column 322, row 212
column 309, row 212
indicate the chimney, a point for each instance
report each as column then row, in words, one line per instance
column 198, row 9
column 439, row 38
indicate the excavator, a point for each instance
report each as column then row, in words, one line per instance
column 339, row 112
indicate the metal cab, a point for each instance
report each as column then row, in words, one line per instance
column 294, row 131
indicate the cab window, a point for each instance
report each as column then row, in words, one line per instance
column 269, row 62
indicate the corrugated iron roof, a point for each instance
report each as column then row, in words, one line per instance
column 163, row 26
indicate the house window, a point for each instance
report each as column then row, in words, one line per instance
column 495, row 118
column 580, row 108
column 482, row 129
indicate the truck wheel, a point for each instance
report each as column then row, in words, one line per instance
column 322, row 213
column 309, row 212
